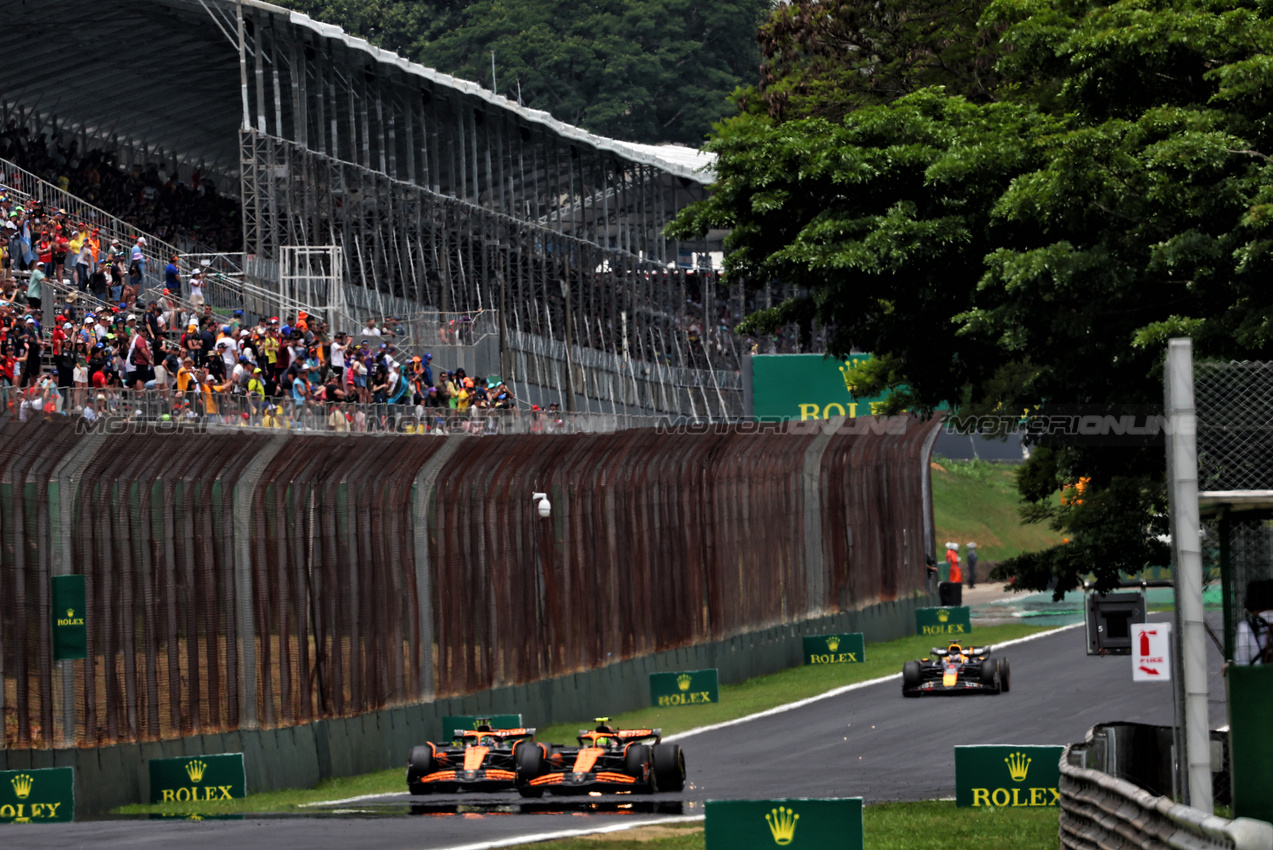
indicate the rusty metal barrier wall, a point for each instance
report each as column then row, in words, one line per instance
column 316, row 607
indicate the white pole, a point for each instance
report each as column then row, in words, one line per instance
column 1182, row 470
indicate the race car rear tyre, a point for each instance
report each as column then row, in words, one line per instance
column 419, row 764
column 669, row 767
column 528, row 761
column 636, row 761
column 910, row 675
column 1005, row 676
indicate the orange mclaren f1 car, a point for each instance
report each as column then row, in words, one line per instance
column 956, row 670
column 481, row 759
column 608, row 760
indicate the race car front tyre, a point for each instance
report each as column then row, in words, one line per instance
column 419, row 764
column 1004, row 675
column 528, row 761
column 636, row 763
column 989, row 669
column 910, row 676
column 530, row 791
column 669, row 767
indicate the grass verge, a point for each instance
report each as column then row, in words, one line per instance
column 978, row 500
column 757, row 694
column 931, row 825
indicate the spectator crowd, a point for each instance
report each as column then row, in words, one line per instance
column 171, row 357
column 153, row 198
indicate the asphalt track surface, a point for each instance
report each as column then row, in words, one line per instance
column 869, row 742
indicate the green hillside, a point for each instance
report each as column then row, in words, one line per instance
column 977, row 500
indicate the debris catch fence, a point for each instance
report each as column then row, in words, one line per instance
column 254, row 579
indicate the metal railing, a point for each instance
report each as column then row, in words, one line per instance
column 1099, row 811
column 156, row 251
column 159, row 410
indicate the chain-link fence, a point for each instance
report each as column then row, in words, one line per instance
column 260, row 578
column 1234, row 402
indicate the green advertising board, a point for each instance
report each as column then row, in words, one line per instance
column 834, row 649
column 451, row 722
column 1004, row 777
column 46, row 795
column 70, row 636
column 805, row 386
column 684, row 687
column 944, row 623
column 196, row 779
column 799, row 823
column 1251, row 739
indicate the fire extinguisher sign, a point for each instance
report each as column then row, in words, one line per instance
column 1151, row 652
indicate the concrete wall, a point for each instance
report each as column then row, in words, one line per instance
column 300, row 756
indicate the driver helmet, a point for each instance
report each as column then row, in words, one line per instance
column 602, row 741
column 486, row 741
column 955, row 649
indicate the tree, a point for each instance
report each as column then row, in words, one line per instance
column 825, row 58
column 1040, row 249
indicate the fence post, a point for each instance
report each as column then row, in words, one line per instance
column 1186, row 543
column 421, row 495
column 815, row 566
column 64, row 483
column 245, row 623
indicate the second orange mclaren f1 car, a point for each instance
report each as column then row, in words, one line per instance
column 481, row 759
column 607, row 760
column 955, row 670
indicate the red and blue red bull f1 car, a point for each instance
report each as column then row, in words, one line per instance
column 956, row 670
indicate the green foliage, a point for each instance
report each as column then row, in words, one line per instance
column 1037, row 246
column 644, row 70
column 825, row 58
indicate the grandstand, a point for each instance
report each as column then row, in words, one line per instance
column 372, row 186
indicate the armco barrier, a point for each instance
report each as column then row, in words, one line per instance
column 299, row 756
column 1099, row 811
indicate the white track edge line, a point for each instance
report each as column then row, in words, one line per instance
column 357, row 799
column 842, row 690
column 570, row 833
column 727, row 723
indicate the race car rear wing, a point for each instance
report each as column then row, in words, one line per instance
column 968, row 650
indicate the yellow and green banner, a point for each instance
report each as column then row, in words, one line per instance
column 1004, row 777
column 799, row 824
column 835, row 649
column 943, row 623
column 197, row 779
column 805, row 386
column 70, row 635
column 684, row 687
column 46, row 795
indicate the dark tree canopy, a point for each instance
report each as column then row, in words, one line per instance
column 642, row 70
column 1033, row 246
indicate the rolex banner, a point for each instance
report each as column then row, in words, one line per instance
column 944, row 623
column 834, row 649
column 830, row 824
column 687, row 687
column 197, row 779
column 1004, row 777
column 37, row 796
column 70, row 637
column 452, row 722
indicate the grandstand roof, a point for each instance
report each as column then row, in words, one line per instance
column 165, row 73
